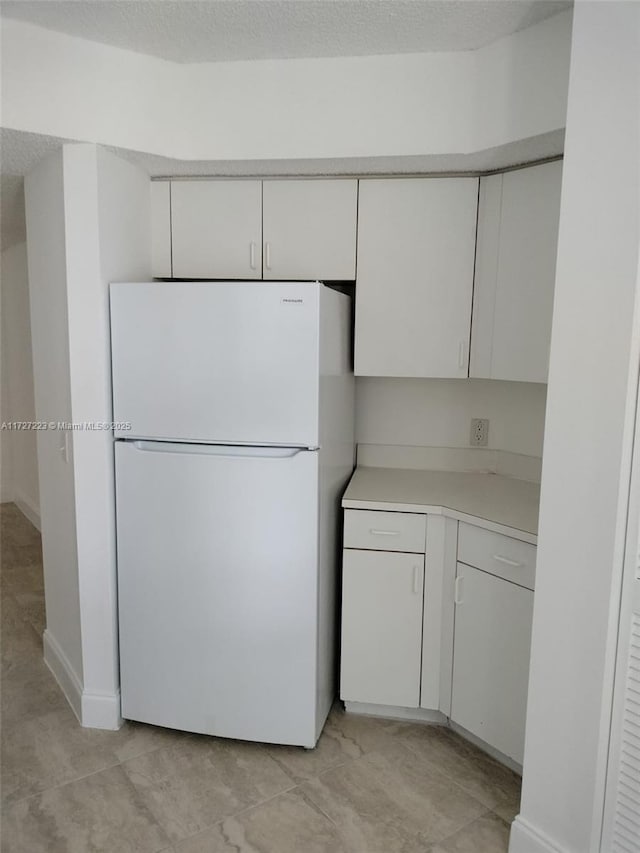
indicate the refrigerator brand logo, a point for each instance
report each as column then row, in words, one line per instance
column 294, row 301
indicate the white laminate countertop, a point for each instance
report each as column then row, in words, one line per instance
column 498, row 503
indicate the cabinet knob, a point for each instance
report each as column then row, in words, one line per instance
column 252, row 255
column 267, row 255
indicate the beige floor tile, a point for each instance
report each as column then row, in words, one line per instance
column 102, row 813
column 487, row 834
column 26, row 577
column 33, row 609
column 15, row 528
column 49, row 751
column 508, row 807
column 387, row 802
column 135, row 739
column 29, row 690
column 55, row 749
column 289, row 823
column 344, row 738
column 19, row 641
column 192, row 785
column 497, row 787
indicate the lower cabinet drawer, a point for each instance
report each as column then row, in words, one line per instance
column 497, row 554
column 382, row 595
column 385, row 531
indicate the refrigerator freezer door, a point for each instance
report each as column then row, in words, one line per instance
column 217, row 586
column 225, row 362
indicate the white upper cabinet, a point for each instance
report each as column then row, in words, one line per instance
column 416, row 245
column 216, row 229
column 161, row 229
column 310, row 229
column 515, row 273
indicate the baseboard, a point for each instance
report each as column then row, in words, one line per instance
column 63, row 672
column 511, row 763
column 527, row 839
column 393, row 712
column 93, row 710
column 28, row 508
column 101, row 711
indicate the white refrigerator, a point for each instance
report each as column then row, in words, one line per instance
column 233, row 404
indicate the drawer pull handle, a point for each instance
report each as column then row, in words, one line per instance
column 462, row 350
column 507, row 561
column 457, row 590
column 416, row 580
column 267, row 255
column 252, row 255
column 375, row 532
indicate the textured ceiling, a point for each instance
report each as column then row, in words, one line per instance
column 224, row 30
column 20, row 152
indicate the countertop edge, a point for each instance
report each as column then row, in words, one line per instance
column 449, row 512
column 403, row 490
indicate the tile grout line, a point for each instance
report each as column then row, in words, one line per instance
column 464, row 826
column 459, row 784
column 11, row 803
column 117, row 763
column 241, row 811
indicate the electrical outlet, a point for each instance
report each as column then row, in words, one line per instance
column 479, row 432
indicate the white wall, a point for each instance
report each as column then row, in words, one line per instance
column 19, row 455
column 44, row 196
column 107, row 203
column 402, row 105
column 88, row 217
column 437, row 412
column 521, row 83
column 587, row 441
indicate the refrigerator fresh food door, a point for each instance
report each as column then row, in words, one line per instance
column 217, row 587
column 224, row 362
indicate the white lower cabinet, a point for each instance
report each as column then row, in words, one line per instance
column 382, row 595
column 445, row 629
column 492, row 642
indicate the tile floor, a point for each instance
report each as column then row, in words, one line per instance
column 369, row 786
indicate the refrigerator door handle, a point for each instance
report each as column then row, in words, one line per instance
column 218, row 449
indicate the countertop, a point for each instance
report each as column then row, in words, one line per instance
column 498, row 503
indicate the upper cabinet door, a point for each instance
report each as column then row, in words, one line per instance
column 515, row 273
column 416, row 244
column 216, row 229
column 310, row 229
